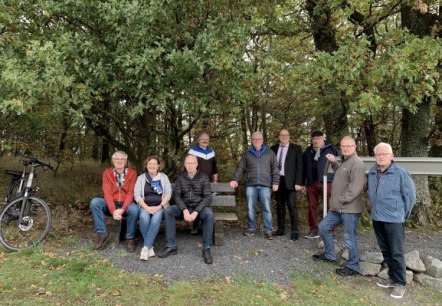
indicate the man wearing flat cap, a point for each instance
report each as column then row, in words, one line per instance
column 314, row 166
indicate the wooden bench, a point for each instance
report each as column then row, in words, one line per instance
column 223, row 196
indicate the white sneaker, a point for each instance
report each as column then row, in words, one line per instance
column 144, row 255
column 151, row 252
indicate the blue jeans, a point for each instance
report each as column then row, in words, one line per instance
column 264, row 194
column 99, row 210
column 350, row 222
column 150, row 225
column 206, row 216
column 391, row 238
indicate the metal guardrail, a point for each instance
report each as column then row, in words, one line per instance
column 431, row 166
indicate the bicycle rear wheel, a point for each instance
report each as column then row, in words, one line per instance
column 35, row 224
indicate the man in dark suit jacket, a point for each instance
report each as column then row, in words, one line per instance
column 289, row 158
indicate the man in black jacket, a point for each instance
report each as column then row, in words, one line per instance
column 192, row 196
column 289, row 158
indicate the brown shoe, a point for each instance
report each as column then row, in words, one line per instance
column 130, row 245
column 101, row 241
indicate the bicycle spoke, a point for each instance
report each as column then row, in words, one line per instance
column 34, row 226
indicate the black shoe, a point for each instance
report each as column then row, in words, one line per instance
column 268, row 236
column 278, row 233
column 167, row 252
column 346, row 271
column 207, row 257
column 248, row 233
column 294, row 237
column 321, row 257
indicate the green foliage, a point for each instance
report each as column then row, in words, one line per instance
column 145, row 76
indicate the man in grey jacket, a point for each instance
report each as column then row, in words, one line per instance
column 261, row 167
column 345, row 206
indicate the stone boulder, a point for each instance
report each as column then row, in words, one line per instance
column 428, row 280
column 414, row 262
column 345, row 254
column 373, row 257
column 383, row 274
column 409, row 275
column 368, row 268
column 433, row 266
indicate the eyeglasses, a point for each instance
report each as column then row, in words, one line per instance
column 256, row 138
column 346, row 147
column 119, row 159
column 382, row 154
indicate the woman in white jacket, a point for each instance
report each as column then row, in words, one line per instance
column 152, row 193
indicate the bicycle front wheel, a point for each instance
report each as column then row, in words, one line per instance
column 35, row 223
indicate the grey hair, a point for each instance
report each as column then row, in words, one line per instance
column 257, row 133
column 191, row 156
column 385, row 145
column 120, row 153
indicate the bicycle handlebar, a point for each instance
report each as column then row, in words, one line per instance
column 36, row 163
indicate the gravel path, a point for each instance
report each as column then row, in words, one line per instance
column 254, row 257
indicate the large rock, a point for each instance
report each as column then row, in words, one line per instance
column 373, row 257
column 368, row 268
column 345, row 254
column 433, row 266
column 409, row 275
column 337, row 248
column 383, row 274
column 414, row 262
column 428, row 280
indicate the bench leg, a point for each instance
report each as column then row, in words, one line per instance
column 115, row 230
column 218, row 233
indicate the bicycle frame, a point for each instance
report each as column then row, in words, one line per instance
column 28, row 191
column 25, row 220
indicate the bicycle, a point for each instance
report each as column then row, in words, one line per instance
column 25, row 220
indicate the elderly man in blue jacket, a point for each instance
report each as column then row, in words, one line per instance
column 392, row 196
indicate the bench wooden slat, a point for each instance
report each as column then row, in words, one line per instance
column 221, row 188
column 223, row 200
column 225, row 216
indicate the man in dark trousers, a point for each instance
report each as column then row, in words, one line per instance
column 314, row 167
column 289, row 157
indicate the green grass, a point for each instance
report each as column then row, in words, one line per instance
column 45, row 277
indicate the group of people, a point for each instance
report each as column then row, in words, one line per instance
column 392, row 195
column 148, row 197
column 282, row 169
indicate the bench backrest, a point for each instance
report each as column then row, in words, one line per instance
column 223, row 195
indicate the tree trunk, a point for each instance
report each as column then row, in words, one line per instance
column 370, row 134
column 324, row 36
column 415, row 127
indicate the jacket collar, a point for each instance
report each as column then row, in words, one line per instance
column 261, row 152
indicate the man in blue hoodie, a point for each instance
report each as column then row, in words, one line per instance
column 261, row 167
column 392, row 196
